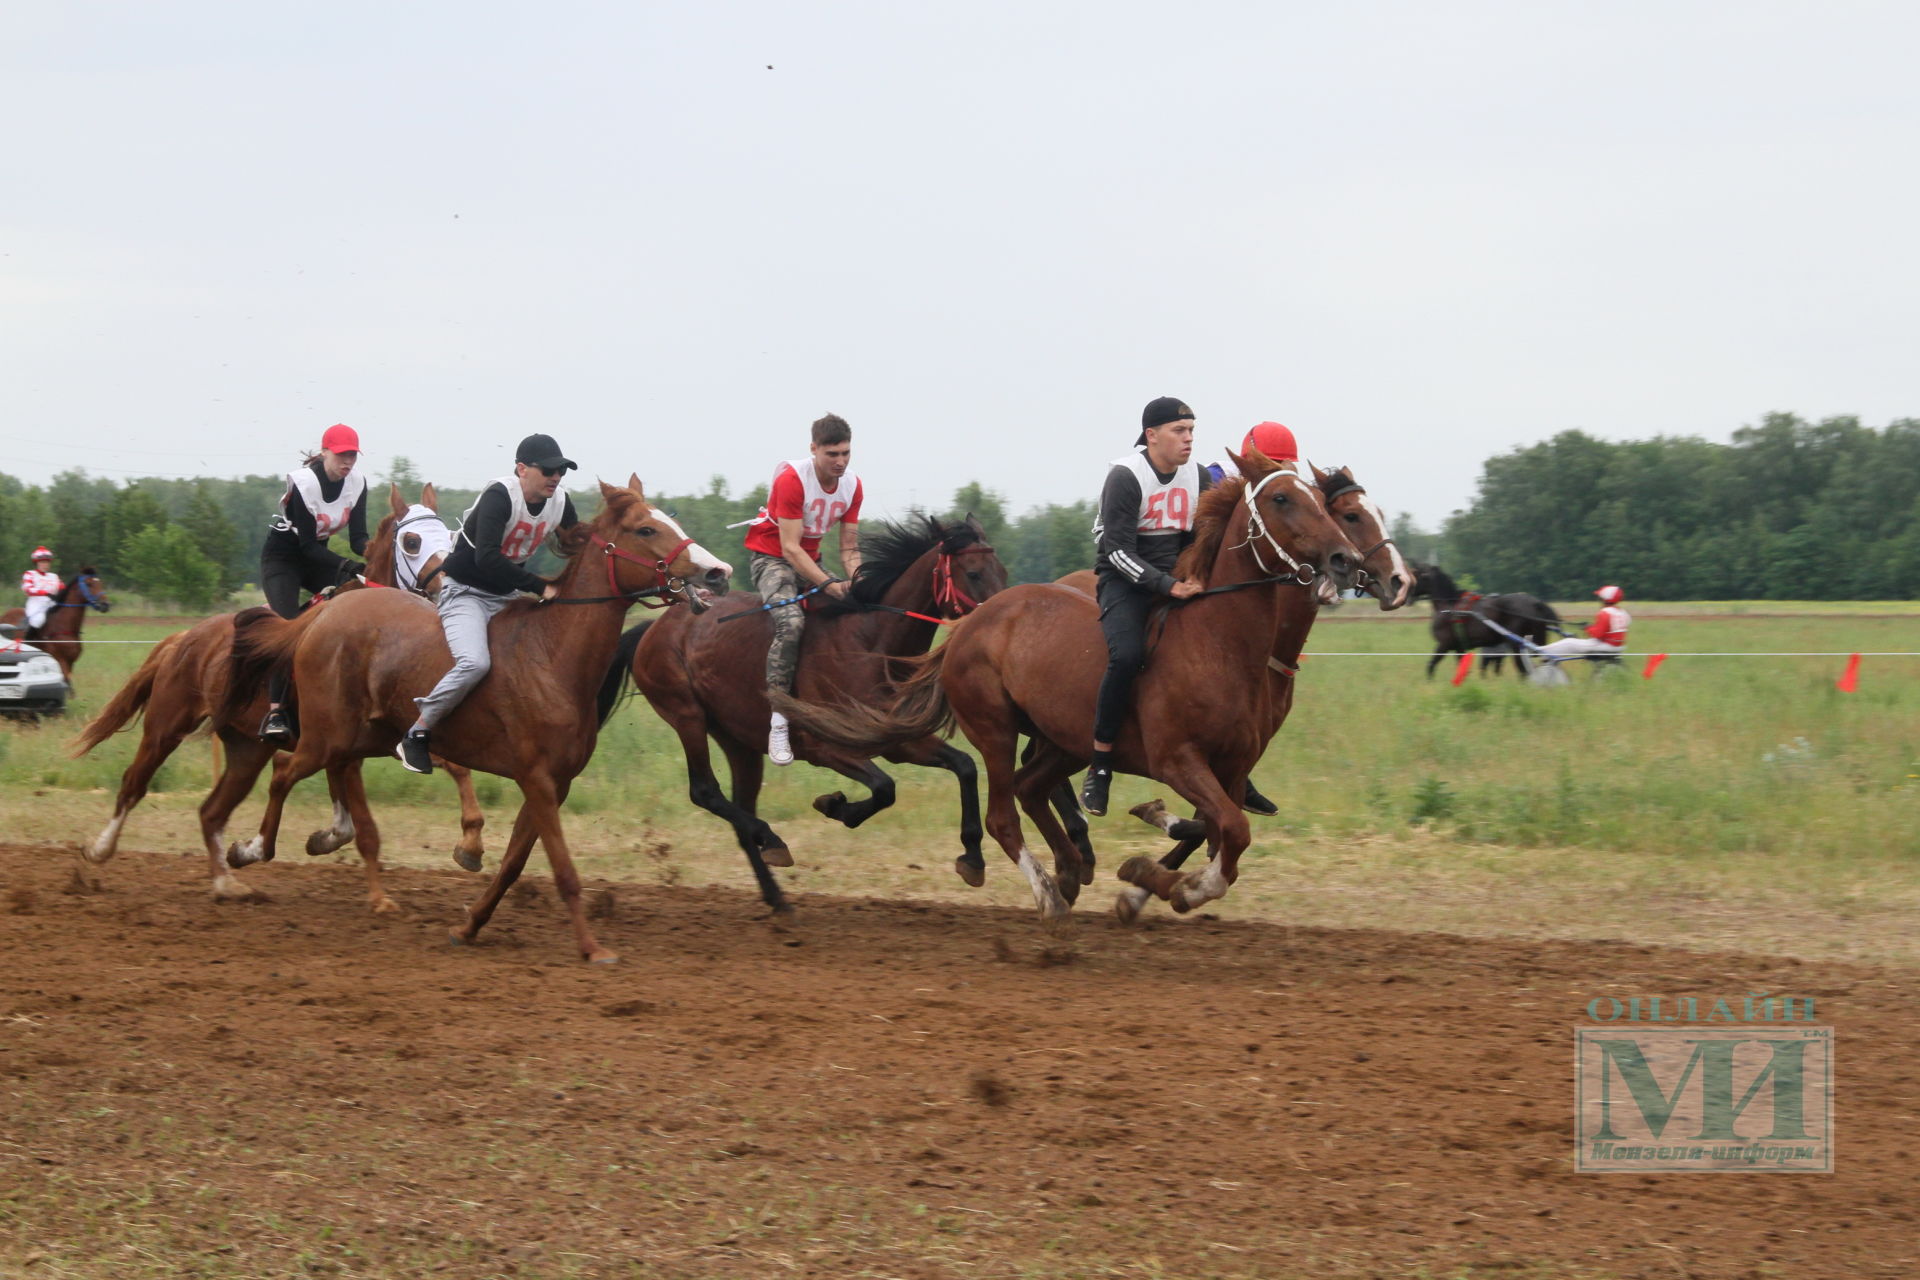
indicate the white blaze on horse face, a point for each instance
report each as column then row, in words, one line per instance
column 697, row 553
column 1399, row 566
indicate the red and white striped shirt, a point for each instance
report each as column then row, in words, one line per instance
column 1610, row 625
column 36, row 583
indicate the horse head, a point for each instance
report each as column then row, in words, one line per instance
column 647, row 552
column 1288, row 530
column 86, row 584
column 1382, row 574
column 968, row 571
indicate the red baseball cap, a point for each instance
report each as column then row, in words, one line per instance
column 340, row 438
column 41, row 553
column 1273, row 440
column 1611, row 595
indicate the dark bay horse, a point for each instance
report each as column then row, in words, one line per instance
column 183, row 684
column 1030, row 661
column 359, row 663
column 704, row 674
column 60, row 637
column 1460, row 618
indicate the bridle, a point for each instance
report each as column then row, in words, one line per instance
column 87, row 600
column 667, row 587
column 949, row 598
column 1303, row 574
column 1351, row 487
column 403, row 570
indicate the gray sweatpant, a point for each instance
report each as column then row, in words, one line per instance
column 464, row 614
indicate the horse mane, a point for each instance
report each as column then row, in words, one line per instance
column 1209, row 528
column 1439, row 585
column 891, row 549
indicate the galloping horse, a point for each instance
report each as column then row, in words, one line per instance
column 360, row 662
column 60, row 637
column 1030, row 661
column 704, row 675
column 1384, row 575
column 183, row 684
column 1460, row 619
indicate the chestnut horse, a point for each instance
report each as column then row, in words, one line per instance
column 360, row 663
column 1383, row 574
column 1030, row 661
column 704, row 675
column 60, row 637
column 183, row 684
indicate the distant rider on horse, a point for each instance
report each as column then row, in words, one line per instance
column 499, row 533
column 323, row 496
column 1606, row 634
column 808, row 496
column 43, row 587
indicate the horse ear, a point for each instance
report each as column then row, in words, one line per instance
column 395, row 502
column 606, row 493
column 1247, row 465
column 430, row 497
column 633, row 483
column 939, row 530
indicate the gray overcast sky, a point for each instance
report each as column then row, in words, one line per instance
column 986, row 233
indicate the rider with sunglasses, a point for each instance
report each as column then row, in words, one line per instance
column 498, row 534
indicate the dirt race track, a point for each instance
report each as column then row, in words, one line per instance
column 887, row 1089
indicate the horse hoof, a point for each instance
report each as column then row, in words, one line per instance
column 245, row 855
column 972, row 870
column 466, row 861
column 830, row 805
column 603, row 957
column 317, row 844
column 1153, row 812
column 1069, row 888
column 777, row 855
column 455, row 940
column 1135, row 870
column 384, row 906
column 1127, row 904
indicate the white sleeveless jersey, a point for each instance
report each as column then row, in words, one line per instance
column 1164, row 507
column 819, row 510
column 329, row 518
column 525, row 531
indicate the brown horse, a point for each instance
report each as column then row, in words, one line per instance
column 1461, row 618
column 704, row 675
column 60, row 637
column 1383, row 574
column 183, row 684
column 1030, row 660
column 360, row 663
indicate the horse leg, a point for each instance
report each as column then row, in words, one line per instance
column 470, row 849
column 346, row 783
column 512, row 862
column 996, row 742
column 544, row 798
column 970, row 864
column 1227, row 833
column 763, row 848
column 851, row 813
column 1439, row 652
column 156, row 744
column 1156, row 814
column 303, row 763
column 1132, row 898
column 246, row 756
column 333, row 837
column 1034, row 785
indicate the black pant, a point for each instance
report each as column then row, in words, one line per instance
column 283, row 577
column 1123, row 621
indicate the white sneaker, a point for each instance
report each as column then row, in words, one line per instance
column 779, row 750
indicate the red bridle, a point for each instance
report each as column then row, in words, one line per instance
column 663, row 588
column 948, row 597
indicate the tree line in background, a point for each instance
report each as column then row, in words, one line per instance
column 1787, row 510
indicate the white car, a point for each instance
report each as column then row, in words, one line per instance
column 31, row 683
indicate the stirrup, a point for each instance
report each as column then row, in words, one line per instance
column 275, row 729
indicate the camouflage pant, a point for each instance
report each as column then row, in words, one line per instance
column 775, row 579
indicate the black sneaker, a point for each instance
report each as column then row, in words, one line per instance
column 276, row 730
column 413, row 752
column 1253, row 802
column 1093, row 792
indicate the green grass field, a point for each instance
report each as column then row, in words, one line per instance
column 1728, row 802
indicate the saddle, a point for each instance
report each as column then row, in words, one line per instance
column 1467, row 606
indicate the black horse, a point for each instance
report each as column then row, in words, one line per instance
column 1460, row 620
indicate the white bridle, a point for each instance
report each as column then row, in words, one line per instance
column 435, row 539
column 1303, row 573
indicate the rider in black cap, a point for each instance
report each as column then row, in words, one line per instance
column 1146, row 516
column 498, row 534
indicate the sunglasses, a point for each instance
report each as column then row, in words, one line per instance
column 551, row 472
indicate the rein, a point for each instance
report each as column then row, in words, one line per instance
column 947, row 594
column 668, row 587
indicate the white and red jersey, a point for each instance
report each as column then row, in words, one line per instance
column 1166, row 506
column 1609, row 626
column 797, row 494
column 36, row 583
column 329, row 518
column 525, row 531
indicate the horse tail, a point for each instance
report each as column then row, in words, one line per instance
column 262, row 641
column 919, row 708
column 610, row 688
column 126, row 705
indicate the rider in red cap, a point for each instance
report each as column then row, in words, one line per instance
column 1606, row 634
column 43, row 587
column 324, row 496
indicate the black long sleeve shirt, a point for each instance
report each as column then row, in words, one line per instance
column 301, row 532
column 477, row 560
column 1144, row 559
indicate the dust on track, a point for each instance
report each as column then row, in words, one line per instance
column 887, row 1088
